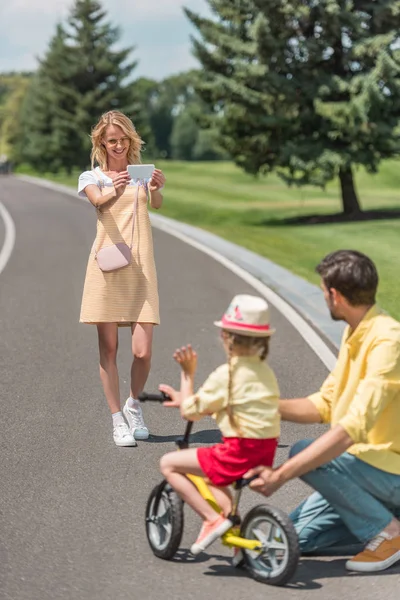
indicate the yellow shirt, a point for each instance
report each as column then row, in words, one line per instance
column 362, row 394
column 254, row 400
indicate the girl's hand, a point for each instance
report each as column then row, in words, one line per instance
column 120, row 181
column 175, row 396
column 157, row 180
column 186, row 357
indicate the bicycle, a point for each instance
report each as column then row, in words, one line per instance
column 266, row 536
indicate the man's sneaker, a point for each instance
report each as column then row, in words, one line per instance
column 380, row 554
column 122, row 435
column 209, row 533
column 134, row 416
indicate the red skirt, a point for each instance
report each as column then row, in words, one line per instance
column 225, row 463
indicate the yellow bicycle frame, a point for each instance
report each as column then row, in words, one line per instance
column 229, row 538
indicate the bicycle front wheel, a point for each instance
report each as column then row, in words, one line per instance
column 164, row 525
column 277, row 560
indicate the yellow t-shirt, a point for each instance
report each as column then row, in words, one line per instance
column 254, row 399
column 362, row 394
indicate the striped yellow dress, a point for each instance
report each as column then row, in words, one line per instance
column 128, row 295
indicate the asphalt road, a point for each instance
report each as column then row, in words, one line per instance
column 71, row 503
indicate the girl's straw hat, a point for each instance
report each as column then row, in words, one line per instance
column 247, row 315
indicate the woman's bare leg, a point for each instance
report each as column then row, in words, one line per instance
column 142, row 340
column 108, row 348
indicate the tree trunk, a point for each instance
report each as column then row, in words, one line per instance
column 350, row 202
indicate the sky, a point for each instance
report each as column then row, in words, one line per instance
column 158, row 29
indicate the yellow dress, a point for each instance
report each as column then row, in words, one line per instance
column 128, row 295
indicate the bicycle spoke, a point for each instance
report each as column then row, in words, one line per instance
column 273, row 562
column 277, row 546
column 261, row 537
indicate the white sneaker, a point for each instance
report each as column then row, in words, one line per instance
column 122, row 435
column 134, row 416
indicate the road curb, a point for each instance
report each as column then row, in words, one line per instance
column 305, row 297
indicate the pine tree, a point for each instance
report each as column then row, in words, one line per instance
column 38, row 141
column 80, row 77
column 307, row 88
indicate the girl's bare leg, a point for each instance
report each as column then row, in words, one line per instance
column 223, row 497
column 174, row 467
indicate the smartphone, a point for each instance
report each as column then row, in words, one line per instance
column 140, row 172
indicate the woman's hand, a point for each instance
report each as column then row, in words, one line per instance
column 157, row 180
column 175, row 396
column 186, row 357
column 120, row 181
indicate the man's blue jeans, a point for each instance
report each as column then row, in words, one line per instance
column 353, row 502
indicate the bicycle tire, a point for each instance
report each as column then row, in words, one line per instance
column 275, row 574
column 164, row 531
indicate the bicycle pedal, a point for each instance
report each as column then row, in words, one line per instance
column 238, row 559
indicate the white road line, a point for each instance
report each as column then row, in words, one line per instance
column 309, row 335
column 9, row 239
column 303, row 328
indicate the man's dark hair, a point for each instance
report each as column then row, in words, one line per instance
column 352, row 274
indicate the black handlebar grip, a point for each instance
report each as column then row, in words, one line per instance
column 160, row 397
column 242, row 483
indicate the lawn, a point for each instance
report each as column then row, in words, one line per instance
column 251, row 212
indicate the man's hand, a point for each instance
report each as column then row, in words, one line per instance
column 175, row 396
column 267, row 483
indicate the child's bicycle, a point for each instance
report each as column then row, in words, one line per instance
column 266, row 536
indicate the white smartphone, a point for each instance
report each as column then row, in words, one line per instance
column 140, row 172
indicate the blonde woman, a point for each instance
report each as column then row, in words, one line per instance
column 127, row 296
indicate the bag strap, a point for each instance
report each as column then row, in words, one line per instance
column 135, row 205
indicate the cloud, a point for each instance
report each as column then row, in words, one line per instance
column 157, row 28
column 138, row 9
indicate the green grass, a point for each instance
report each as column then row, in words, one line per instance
column 222, row 199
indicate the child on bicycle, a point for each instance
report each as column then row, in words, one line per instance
column 242, row 396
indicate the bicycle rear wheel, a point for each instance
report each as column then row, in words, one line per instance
column 164, row 526
column 277, row 561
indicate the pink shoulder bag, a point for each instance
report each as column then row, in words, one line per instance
column 117, row 256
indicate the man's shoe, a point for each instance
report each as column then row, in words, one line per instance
column 380, row 553
column 122, row 436
column 134, row 416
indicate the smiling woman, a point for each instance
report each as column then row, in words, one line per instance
column 121, row 281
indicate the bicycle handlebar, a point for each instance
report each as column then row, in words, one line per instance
column 160, row 397
column 242, row 482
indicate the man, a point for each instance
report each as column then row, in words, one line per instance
column 355, row 466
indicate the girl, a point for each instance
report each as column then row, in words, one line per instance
column 242, row 396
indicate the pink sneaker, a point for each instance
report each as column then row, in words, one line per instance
column 209, row 533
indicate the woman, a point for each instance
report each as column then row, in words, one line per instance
column 126, row 296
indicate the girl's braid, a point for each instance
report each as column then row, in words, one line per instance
column 229, row 408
